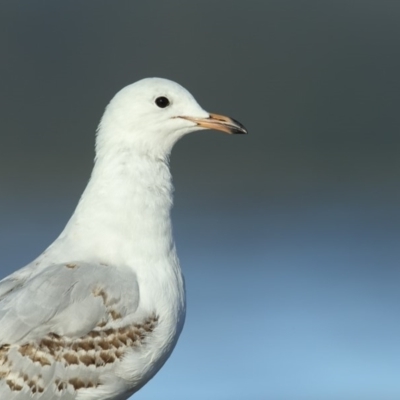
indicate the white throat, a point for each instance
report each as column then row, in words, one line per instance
column 124, row 213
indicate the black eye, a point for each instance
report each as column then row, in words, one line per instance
column 162, row 102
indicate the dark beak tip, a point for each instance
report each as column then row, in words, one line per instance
column 238, row 128
column 239, row 131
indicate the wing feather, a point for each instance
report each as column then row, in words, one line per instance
column 65, row 299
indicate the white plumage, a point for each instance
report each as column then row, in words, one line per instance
column 97, row 314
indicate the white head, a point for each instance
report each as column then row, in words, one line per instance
column 150, row 115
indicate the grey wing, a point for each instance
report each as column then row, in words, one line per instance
column 50, row 320
column 68, row 299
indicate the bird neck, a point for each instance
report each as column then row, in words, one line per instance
column 124, row 212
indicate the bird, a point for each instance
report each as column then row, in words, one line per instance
column 98, row 313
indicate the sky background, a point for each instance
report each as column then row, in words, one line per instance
column 288, row 237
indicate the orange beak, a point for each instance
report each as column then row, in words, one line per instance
column 219, row 123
